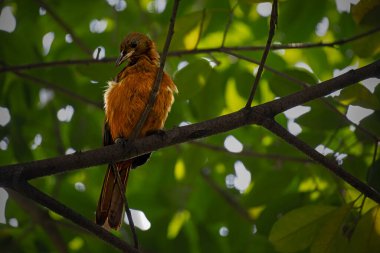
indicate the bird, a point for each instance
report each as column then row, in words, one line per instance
column 125, row 99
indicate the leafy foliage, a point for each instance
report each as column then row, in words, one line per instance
column 206, row 197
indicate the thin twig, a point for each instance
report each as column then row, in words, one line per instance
column 229, row 22
column 305, row 85
column 200, row 28
column 230, row 199
column 270, row 69
column 305, row 45
column 375, row 152
column 272, row 27
column 193, row 51
column 249, row 153
column 56, row 64
column 157, row 81
column 125, row 201
column 64, row 26
column 58, row 88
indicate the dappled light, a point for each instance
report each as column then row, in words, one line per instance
column 264, row 9
column 271, row 143
column 68, row 38
column 47, row 41
column 7, row 20
column 36, row 141
column 5, row 116
column 98, row 26
column 322, row 27
column 223, row 231
column 65, row 114
column 357, row 113
column 4, row 143
column 45, row 95
column 3, row 203
column 139, row 219
column 80, row 187
column 233, row 145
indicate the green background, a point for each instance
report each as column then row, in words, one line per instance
column 290, row 205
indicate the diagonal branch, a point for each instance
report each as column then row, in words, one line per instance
column 229, row 198
column 157, row 81
column 58, row 88
column 43, row 199
column 331, row 165
column 11, row 174
column 64, row 26
column 272, row 27
column 250, row 153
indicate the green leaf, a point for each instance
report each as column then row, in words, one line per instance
column 373, row 176
column 372, row 123
column 101, row 72
column 192, row 78
column 359, row 95
column 366, row 237
column 296, row 230
column 289, row 26
column 282, row 87
column 330, row 237
column 320, row 118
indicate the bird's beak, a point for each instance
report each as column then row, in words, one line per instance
column 123, row 57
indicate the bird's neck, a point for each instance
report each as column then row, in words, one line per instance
column 144, row 63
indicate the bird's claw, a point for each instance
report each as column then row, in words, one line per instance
column 121, row 141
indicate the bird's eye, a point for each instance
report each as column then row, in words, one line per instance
column 133, row 44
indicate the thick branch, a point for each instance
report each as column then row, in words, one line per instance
column 255, row 115
column 324, row 88
column 54, row 205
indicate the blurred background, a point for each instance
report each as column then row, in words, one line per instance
column 240, row 191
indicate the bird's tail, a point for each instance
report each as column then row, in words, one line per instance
column 109, row 212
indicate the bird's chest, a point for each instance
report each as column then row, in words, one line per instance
column 125, row 101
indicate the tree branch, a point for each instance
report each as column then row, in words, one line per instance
column 11, row 174
column 272, row 28
column 58, row 88
column 331, row 165
column 43, row 199
column 157, row 81
column 178, row 53
column 249, row 153
column 64, row 26
column 229, row 198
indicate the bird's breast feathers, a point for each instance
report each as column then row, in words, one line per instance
column 126, row 100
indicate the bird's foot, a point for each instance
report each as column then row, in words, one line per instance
column 122, row 141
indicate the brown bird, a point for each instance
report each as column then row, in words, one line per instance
column 124, row 100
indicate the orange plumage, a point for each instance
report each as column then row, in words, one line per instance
column 125, row 100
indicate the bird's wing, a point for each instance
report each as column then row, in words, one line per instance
column 107, row 138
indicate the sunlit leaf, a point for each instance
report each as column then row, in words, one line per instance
column 359, row 95
column 366, row 237
column 296, row 230
column 373, row 175
column 329, row 238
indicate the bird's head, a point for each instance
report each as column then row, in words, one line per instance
column 136, row 45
